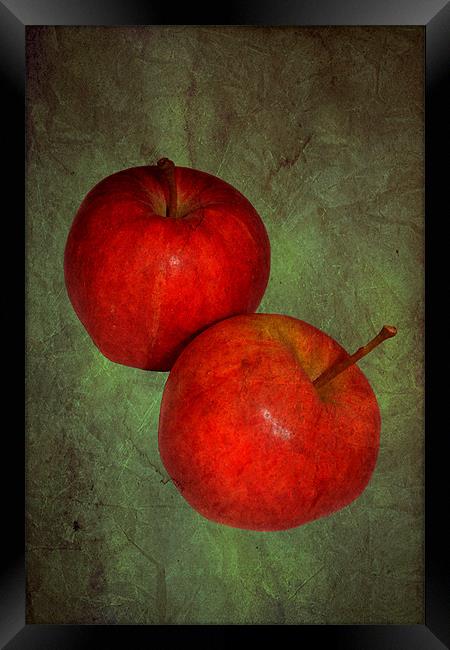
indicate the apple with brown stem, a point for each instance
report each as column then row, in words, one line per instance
column 266, row 423
column 158, row 253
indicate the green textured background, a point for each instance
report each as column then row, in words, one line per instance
column 322, row 129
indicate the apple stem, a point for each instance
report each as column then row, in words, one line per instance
column 168, row 170
column 339, row 366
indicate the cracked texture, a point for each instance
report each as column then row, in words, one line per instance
column 322, row 130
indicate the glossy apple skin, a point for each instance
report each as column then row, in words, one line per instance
column 143, row 284
column 246, row 437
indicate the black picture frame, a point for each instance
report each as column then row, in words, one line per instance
column 15, row 15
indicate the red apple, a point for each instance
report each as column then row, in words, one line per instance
column 156, row 254
column 266, row 425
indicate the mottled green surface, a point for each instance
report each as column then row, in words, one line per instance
column 323, row 131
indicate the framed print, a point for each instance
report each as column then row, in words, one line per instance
column 320, row 127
